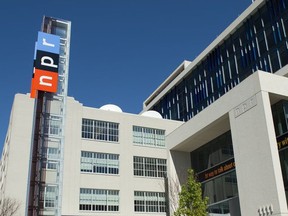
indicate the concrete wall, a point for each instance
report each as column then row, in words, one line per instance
column 17, row 152
column 258, row 170
column 125, row 182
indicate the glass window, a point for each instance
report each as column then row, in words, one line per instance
column 149, row 202
column 208, row 161
column 214, row 152
column 52, row 158
column 225, row 207
column 53, row 125
column 98, row 200
column 283, row 55
column 52, row 153
column 148, row 136
column 221, row 188
column 284, row 166
column 139, row 201
column 50, row 196
column 100, row 130
column 52, row 165
column 95, row 162
column 150, row 167
column 280, row 115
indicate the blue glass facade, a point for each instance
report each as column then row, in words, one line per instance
column 260, row 43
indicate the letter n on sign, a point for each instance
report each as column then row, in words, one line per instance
column 45, row 81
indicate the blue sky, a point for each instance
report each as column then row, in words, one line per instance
column 121, row 50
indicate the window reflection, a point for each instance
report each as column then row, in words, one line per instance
column 213, row 153
column 221, row 188
column 280, row 114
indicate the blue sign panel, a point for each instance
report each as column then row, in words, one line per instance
column 48, row 42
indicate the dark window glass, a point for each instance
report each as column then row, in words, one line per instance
column 284, row 55
column 212, row 153
column 221, row 188
column 274, row 60
column 280, row 115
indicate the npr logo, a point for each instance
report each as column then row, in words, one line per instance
column 46, row 63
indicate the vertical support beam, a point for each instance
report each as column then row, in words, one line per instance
column 259, row 176
column 50, row 126
column 166, row 187
column 35, row 172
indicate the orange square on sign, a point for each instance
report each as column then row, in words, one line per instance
column 33, row 91
column 45, row 81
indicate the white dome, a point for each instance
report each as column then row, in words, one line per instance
column 152, row 113
column 111, row 107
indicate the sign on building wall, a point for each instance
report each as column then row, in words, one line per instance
column 46, row 64
column 217, row 170
column 282, row 141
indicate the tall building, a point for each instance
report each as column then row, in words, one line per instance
column 225, row 116
column 233, row 98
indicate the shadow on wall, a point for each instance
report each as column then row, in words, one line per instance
column 182, row 162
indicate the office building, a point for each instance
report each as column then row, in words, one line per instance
column 233, row 98
column 111, row 160
column 225, row 115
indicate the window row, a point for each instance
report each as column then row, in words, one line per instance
column 98, row 200
column 109, row 131
column 148, row 136
column 108, row 200
column 94, row 162
column 100, row 130
column 151, row 167
column 149, row 202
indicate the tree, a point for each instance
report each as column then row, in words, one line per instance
column 191, row 202
column 172, row 189
column 9, row 207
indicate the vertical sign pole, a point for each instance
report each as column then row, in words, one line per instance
column 49, row 85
